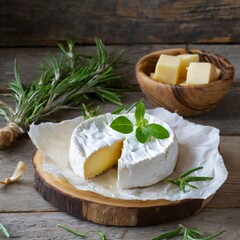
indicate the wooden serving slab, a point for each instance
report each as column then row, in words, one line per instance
column 109, row 211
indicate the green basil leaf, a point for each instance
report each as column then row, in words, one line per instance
column 142, row 134
column 122, row 124
column 157, row 131
column 139, row 113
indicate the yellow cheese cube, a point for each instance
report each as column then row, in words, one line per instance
column 167, row 69
column 186, row 59
column 200, row 73
column 218, row 73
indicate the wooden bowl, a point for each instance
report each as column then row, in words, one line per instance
column 186, row 100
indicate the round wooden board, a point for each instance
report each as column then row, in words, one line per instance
column 109, row 211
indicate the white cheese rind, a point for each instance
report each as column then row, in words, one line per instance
column 89, row 137
column 140, row 164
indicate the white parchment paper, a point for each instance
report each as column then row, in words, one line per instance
column 198, row 146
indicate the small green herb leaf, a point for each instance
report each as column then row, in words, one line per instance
column 101, row 235
column 157, row 131
column 4, row 231
column 122, row 124
column 139, row 113
column 72, row 230
column 144, row 130
column 142, row 134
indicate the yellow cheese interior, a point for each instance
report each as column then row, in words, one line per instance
column 102, row 160
column 186, row 59
column 167, row 69
column 200, row 73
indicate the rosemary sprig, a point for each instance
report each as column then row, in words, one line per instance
column 66, row 80
column 90, row 112
column 4, row 231
column 184, row 179
column 186, row 233
column 101, row 235
column 126, row 108
column 83, row 235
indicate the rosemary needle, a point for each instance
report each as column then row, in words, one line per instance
column 101, row 235
column 67, row 80
column 4, row 231
column 187, row 233
column 184, row 179
column 72, row 230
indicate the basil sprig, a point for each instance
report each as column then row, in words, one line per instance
column 143, row 129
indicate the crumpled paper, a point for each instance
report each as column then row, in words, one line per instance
column 198, row 146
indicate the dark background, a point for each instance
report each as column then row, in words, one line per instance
column 42, row 23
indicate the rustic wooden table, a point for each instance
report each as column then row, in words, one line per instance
column 27, row 215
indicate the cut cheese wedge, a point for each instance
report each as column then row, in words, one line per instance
column 103, row 159
column 95, row 147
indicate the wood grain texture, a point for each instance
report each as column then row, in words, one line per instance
column 25, row 226
column 29, row 200
column 29, row 59
column 186, row 100
column 28, row 216
column 108, row 211
column 225, row 116
column 119, row 21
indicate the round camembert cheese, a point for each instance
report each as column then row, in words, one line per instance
column 96, row 147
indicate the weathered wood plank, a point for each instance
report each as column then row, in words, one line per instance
column 228, row 51
column 43, row 226
column 29, row 59
column 229, row 194
column 225, row 116
column 119, row 21
column 20, row 196
column 23, row 197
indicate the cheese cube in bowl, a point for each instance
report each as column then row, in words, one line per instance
column 188, row 98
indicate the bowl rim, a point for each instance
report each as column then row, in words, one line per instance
column 188, row 50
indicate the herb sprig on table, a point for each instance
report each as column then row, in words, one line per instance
column 184, row 179
column 144, row 129
column 100, row 234
column 4, row 231
column 66, row 81
column 186, row 233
